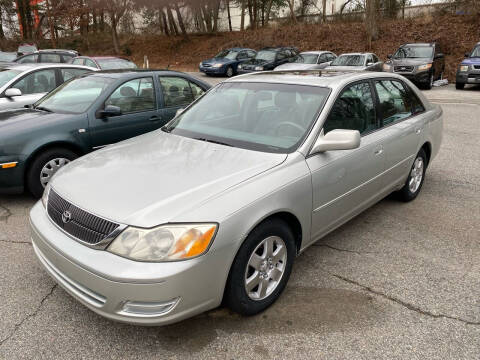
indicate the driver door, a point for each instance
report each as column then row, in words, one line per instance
column 139, row 112
column 347, row 181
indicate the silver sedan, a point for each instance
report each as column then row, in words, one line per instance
column 24, row 84
column 217, row 204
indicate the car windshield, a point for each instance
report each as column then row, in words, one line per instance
column 256, row 116
column 75, row 96
column 229, row 54
column 7, row 75
column 112, row 64
column 476, row 52
column 307, row 58
column 27, row 49
column 265, row 55
column 7, row 56
column 414, row 52
column 349, row 60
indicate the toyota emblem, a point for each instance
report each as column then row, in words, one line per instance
column 66, row 216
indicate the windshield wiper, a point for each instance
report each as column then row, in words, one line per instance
column 43, row 109
column 213, row 141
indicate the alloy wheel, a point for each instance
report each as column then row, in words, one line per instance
column 416, row 175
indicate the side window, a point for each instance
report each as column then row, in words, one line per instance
column 38, row 82
column 370, row 59
column 353, row 110
column 394, row 101
column 29, row 59
column 67, row 58
column 281, row 55
column 177, row 91
column 331, row 57
column 78, row 61
column 242, row 55
column 251, row 54
column 375, row 59
column 50, row 58
column 322, row 58
column 134, row 96
column 68, row 73
column 197, row 91
column 90, row 63
column 417, row 106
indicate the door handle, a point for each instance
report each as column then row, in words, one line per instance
column 379, row 151
column 155, row 118
column 418, row 131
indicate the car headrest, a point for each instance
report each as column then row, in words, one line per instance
column 127, row 91
column 285, row 100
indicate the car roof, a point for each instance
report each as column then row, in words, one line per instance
column 125, row 73
column 239, row 49
column 418, row 44
column 27, row 67
column 314, row 52
column 320, row 78
column 358, row 53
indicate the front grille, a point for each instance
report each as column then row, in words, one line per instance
column 403, row 68
column 80, row 224
column 475, row 76
column 476, row 67
column 207, row 65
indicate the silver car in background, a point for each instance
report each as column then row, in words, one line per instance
column 216, row 205
column 356, row 62
column 309, row 60
column 22, row 85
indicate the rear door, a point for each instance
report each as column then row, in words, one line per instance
column 346, row 182
column 402, row 125
column 50, row 58
column 177, row 93
column 137, row 100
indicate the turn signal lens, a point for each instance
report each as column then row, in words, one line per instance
column 424, row 67
column 8, row 165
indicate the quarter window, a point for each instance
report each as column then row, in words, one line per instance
column 134, row 96
column 394, row 101
column 353, row 110
column 90, row 63
column 78, row 61
column 67, row 74
column 38, row 82
column 178, row 91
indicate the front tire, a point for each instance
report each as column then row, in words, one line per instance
column 44, row 166
column 429, row 84
column 261, row 268
column 229, row 73
column 459, row 86
column 415, row 179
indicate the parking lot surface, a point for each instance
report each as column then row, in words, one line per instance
column 400, row 281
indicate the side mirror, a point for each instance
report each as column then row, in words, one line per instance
column 179, row 111
column 389, row 56
column 109, row 111
column 337, row 140
column 467, row 55
column 439, row 55
column 370, row 63
column 12, row 92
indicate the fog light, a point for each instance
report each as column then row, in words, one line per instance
column 148, row 309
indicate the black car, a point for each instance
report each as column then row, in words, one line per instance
column 268, row 59
column 47, row 56
column 84, row 114
column 422, row 63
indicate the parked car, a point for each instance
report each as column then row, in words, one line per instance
column 7, row 57
column 104, row 62
column 357, row 62
column 22, row 85
column 226, row 62
column 24, row 49
column 268, row 59
column 422, row 63
column 215, row 206
column 309, row 60
column 47, row 56
column 468, row 71
column 85, row 114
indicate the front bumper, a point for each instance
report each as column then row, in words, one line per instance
column 128, row 291
column 212, row 70
column 416, row 77
column 11, row 179
column 468, row 77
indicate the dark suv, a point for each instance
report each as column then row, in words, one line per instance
column 269, row 59
column 422, row 63
column 468, row 71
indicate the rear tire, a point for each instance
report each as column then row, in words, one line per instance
column 44, row 166
column 415, row 179
column 261, row 268
column 459, row 86
column 229, row 73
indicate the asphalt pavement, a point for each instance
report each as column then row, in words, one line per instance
column 400, row 281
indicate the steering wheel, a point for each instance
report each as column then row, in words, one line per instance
column 291, row 124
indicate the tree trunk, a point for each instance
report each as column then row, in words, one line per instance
column 269, row 9
column 50, row 25
column 116, row 45
column 2, row 34
column 164, row 22
column 227, row 4
column 242, row 17
column 324, row 11
column 291, row 5
column 216, row 11
column 171, row 20
column 207, row 17
column 180, row 20
column 250, row 14
column 371, row 22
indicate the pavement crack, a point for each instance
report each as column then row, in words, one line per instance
column 15, row 242
column 5, row 213
column 29, row 316
column 403, row 303
column 338, row 249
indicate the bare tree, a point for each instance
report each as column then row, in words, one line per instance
column 116, row 9
column 371, row 22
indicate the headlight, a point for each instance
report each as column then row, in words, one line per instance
column 217, row 65
column 200, row 64
column 239, row 67
column 424, row 67
column 386, row 67
column 463, row 68
column 46, row 192
column 164, row 243
column 259, row 68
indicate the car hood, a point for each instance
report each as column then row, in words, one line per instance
column 23, row 117
column 471, row 61
column 296, row 66
column 152, row 179
column 217, row 61
column 410, row 62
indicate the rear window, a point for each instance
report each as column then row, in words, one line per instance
column 112, row 64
